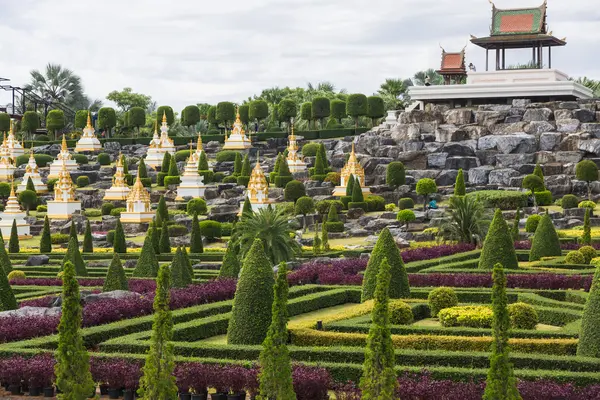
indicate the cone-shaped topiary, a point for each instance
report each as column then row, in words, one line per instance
column 459, row 186
column 119, row 243
column 158, row 380
column 386, row 248
column 147, row 265
column 319, row 169
column 237, row 164
column 247, row 208
column 74, row 256
column 4, row 259
column 162, row 213
column 498, row 246
column 357, row 194
column 501, row 383
column 251, row 314
column 246, row 168
column 545, row 241
column 188, row 263
column 179, row 272
column 88, row 243
column 155, row 239
column 275, row 363
column 72, row 368
column 514, row 230
column 73, row 231
column 202, row 162
column 173, row 170
column 164, row 244
column 142, row 170
column 13, row 243
column 46, row 239
column 378, row 380
column 166, row 162
column 196, row 238
column 317, row 240
column 589, row 334
column 537, row 171
column 231, row 265
column 283, row 175
column 7, row 297
column 126, row 164
column 586, row 237
column 323, row 152
column 325, row 237
column 30, row 186
column 115, row 277
column 350, row 185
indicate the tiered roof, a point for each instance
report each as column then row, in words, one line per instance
column 453, row 63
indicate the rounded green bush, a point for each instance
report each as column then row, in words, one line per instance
column 406, row 203
column 405, row 216
column 211, row 229
column 42, row 138
column 82, row 181
column 375, row 203
column 532, row 223
column 440, row 298
column 400, row 313
column 334, row 177
column 390, row 207
column 217, row 177
column 589, row 253
column 41, row 208
column 92, row 212
column 177, row 230
column 587, row 204
column 230, row 179
column 226, row 155
column 110, row 237
column 197, row 206
column 543, row 198
column 59, row 238
column 16, row 274
column 569, row 201
column 172, row 180
column 209, row 176
column 107, row 208
column 293, row 190
column 226, row 228
column 243, row 180
column 310, row 149
column 395, row 174
column 522, row 316
column 322, row 206
column 335, row 227
column 160, row 178
column 42, row 160
column 116, row 212
column 103, row 159
column 80, row 159
column 575, row 257
column 182, row 155
column 358, row 204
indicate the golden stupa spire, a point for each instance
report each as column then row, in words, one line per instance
column 199, row 145
column 89, row 120
column 12, row 128
column 31, row 153
column 4, row 140
column 12, row 188
column 164, row 120
column 64, row 143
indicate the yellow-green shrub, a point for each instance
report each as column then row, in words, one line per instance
column 400, row 313
column 470, row 316
column 522, row 316
column 16, row 274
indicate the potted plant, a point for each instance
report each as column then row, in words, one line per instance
column 236, row 382
column 131, row 380
column 98, row 369
column 40, row 373
column 201, row 376
column 220, row 382
column 183, row 375
column 252, row 383
column 13, row 374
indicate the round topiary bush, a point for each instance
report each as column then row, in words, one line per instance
column 522, row 316
column 103, row 159
column 110, row 236
column 92, row 212
column 532, row 223
column 293, row 190
column 569, row 201
column 226, row 156
column 197, row 206
column 390, row 207
column 116, row 212
column 107, row 208
column 405, row 216
column 310, row 149
column 589, row 253
column 16, row 274
column 575, row 257
column 440, row 298
column 375, row 203
column 395, row 174
column 172, row 180
column 80, row 159
column 82, row 181
column 400, row 313
column 587, row 204
column 211, row 229
column 406, row 203
column 41, row 208
column 177, row 230
column 322, row 206
column 42, row 160
column 59, row 238
column 334, row 177
column 217, row 176
column 230, row 179
column 42, row 138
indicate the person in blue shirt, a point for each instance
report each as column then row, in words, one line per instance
column 433, row 204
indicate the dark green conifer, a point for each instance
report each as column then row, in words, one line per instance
column 119, row 243
column 514, row 231
column 142, row 169
column 357, row 194
column 173, row 170
column 545, row 241
column 13, row 243
column 237, row 165
column 179, row 272
column 247, row 208
column 4, row 259
column 246, row 168
column 73, row 231
column 74, row 256
column 126, row 164
column 202, row 162
column 459, row 185
column 162, row 213
column 188, row 264
column 46, row 239
column 196, row 245
column 230, row 268
column 498, row 246
column 115, row 277
column 164, row 243
column 8, row 300
column 166, row 162
column 350, row 185
column 147, row 265
column 88, row 243
column 155, row 239
column 30, row 185
column 325, row 237
column 589, row 334
column 586, row 238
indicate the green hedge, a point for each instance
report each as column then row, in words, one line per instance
column 502, row 199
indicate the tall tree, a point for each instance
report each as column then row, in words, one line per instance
column 57, row 84
column 115, row 276
column 45, row 238
column 126, row 99
column 157, row 381
column 8, row 300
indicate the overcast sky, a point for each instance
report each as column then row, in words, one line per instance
column 190, row 51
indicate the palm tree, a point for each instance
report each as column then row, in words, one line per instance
column 434, row 78
column 273, row 228
column 393, row 92
column 58, row 84
column 465, row 223
column 592, row 84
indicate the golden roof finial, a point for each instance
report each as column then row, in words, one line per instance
column 352, row 147
column 12, row 127
column 12, row 187
column 64, row 143
column 199, row 146
column 4, row 140
column 89, row 120
column 164, row 117
column 31, row 153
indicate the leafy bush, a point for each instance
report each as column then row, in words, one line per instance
column 16, row 274
column 440, row 298
column 322, row 206
column 59, row 238
column 406, row 203
column 41, row 208
column 498, row 246
column 107, row 208
column 543, row 198
column 83, row 181
column 42, row 160
column 226, row 228
column 293, row 190
column 172, row 180
column 469, row 316
column 310, row 149
column 116, row 212
column 589, row 253
column 358, row 204
column 197, row 206
column 209, row 176
column 375, row 203
column 50, row 183
column 545, row 241
column 502, row 199
column 334, row 177
column 110, row 237
column 230, row 179
column 160, row 178
column 80, row 159
column 92, row 212
column 575, row 257
column 226, row 155
column 400, row 313
column 569, row 201
column 532, row 223
column 522, row 316
column 177, row 230
column 405, row 216
column 211, row 229
column 587, row 204
column 395, row 174
column 103, row 159
column 390, row 207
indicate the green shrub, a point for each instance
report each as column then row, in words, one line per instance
column 110, row 237
column 323, row 206
column 83, row 181
column 498, row 246
column 107, row 208
column 16, row 274
column 226, row 228
column 543, row 198
column 160, row 178
column 80, row 158
column 230, row 179
column 282, row 181
column 243, row 180
column 569, row 201
column 545, row 241
column 310, row 149
column 522, row 316
column 92, row 212
column 502, row 199
column 197, row 206
column 116, row 212
column 42, row 160
column 209, row 176
column 589, row 334
column 390, row 207
column 469, row 316
column 334, row 177
column 575, row 257
column 459, row 184
column 50, row 183
column 405, row 216
column 226, row 155
column 146, row 182
column 440, row 298
column 532, row 223
column 406, row 203
column 115, row 276
column 358, row 204
column 172, row 180
column 177, row 230
column 400, row 313
column 59, row 238
column 211, row 229
column 589, row 253
column 217, row 177
column 103, row 159
column 587, row 171
column 182, row 155
column 375, row 203
column 293, row 190
column 41, row 208
column 587, row 204
column 395, row 174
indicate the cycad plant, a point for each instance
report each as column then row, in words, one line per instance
column 465, row 220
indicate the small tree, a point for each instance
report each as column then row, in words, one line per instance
column 237, row 164
column 306, row 112
column 319, row 169
column 246, row 208
column 29, row 185
column 589, row 334
column 196, row 237
column 395, row 174
column 501, row 383
column 459, row 186
column 325, row 236
column 55, row 121
column 321, row 109
column 4, row 122
column 275, row 364
column 8, row 301
column 586, row 238
column 4, row 259
column 165, row 110
column 202, row 162
column 375, row 108
column 426, row 187
column 259, row 110
column 284, row 176
column 350, row 185
column 72, row 368
column 164, row 242
column 535, row 184
column 88, row 243
column 147, row 265
column 545, row 241
column 378, row 380
column 211, row 116
column 119, row 242
column 514, row 231
column 537, row 171
column 226, row 113
column 137, row 118
column 230, row 268
column 162, row 213
column 74, row 256
column 244, row 111
column 294, row 190
column 158, row 381
column 304, row 206
column 338, row 110
column 246, row 168
column 73, row 232
column 498, row 247
column 179, row 275
column 107, row 119
column 30, row 122
column 13, row 243
column 155, row 239
column 190, row 116
column 29, row 199
column 406, row 216
column 356, row 107
column 166, row 163
column 287, row 110
column 173, row 170
column 115, row 277
column 587, row 171
column 45, row 238
column 142, row 170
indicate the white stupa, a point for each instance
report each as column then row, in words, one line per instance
column 258, row 189
column 352, row 168
column 88, row 140
column 192, row 183
column 119, row 189
column 63, row 159
column 166, row 143
column 32, row 171
column 7, row 168
column 15, row 149
column 138, row 206
column 154, row 155
column 64, row 204
column 199, row 149
column 237, row 140
column 12, row 212
column 295, row 161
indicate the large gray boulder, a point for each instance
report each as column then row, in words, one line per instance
column 537, row 114
column 501, row 177
column 480, row 175
column 506, row 144
column 37, row 260
column 34, row 312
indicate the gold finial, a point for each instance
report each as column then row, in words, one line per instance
column 64, row 143
column 12, row 187
column 199, row 146
column 352, row 147
column 164, row 117
column 4, row 140
column 89, row 120
column 12, row 127
column 31, row 153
